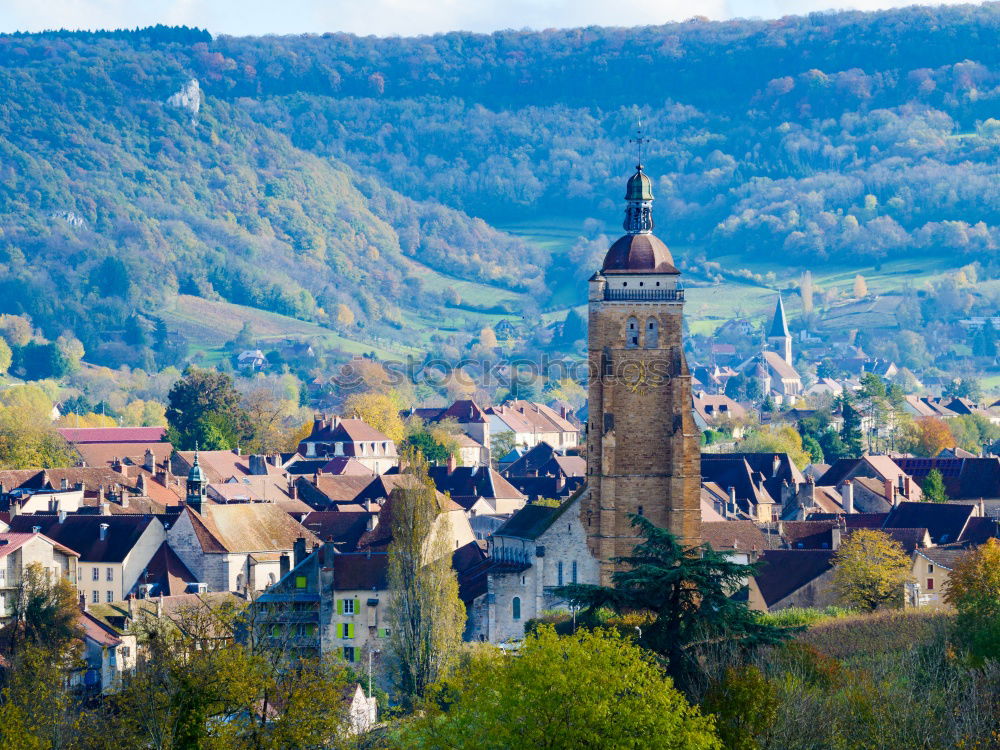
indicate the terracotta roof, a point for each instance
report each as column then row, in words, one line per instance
column 84, row 435
column 10, row 541
column 743, row 536
column 100, row 454
column 638, row 253
column 347, row 466
column 167, row 573
column 97, row 631
column 785, row 571
column 82, row 533
column 355, row 430
column 945, row 557
column 340, row 488
column 780, row 366
column 464, row 411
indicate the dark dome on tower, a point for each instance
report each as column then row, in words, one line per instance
column 639, row 253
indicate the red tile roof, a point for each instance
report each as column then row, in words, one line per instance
column 84, row 435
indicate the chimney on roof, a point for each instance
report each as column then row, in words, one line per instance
column 236, row 450
column 890, row 491
column 149, row 461
column 159, row 606
column 299, row 550
column 293, row 489
column 62, row 516
column 36, row 529
column 257, row 464
column 284, row 565
column 140, row 484
column 847, row 496
column 451, row 464
column 731, row 504
column 100, row 494
column 131, row 606
column 64, row 484
column 104, row 532
column 775, row 465
column 105, row 509
column 83, row 602
column 835, row 537
column 906, row 486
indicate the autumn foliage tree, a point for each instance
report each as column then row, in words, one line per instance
column 974, row 591
column 592, row 689
column 869, row 570
column 426, row 616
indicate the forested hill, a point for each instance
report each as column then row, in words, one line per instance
column 318, row 168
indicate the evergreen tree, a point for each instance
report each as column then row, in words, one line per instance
column 850, row 433
column 933, row 487
column 687, row 592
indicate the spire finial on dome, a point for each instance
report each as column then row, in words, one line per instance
column 638, row 141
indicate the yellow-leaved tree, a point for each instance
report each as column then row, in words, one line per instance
column 974, row 590
column 591, row 689
column 869, row 570
column 378, row 410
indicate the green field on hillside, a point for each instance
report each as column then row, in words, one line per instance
column 209, row 324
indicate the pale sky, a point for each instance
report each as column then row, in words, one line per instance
column 395, row 17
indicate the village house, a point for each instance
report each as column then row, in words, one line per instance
column 537, row 550
column 474, row 442
column 240, row 547
column 335, row 437
column 544, row 472
column 533, row 423
column 101, row 446
column 718, row 412
column 18, row 551
column 113, row 550
column 792, row 578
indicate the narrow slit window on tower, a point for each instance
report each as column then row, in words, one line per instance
column 652, row 333
column 632, row 334
column 606, row 367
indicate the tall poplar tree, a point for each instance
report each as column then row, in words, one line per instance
column 426, row 616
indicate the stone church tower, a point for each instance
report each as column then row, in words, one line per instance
column 643, row 449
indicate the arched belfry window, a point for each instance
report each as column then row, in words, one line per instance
column 632, row 334
column 652, row 333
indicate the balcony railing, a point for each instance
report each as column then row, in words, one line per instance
column 644, row 295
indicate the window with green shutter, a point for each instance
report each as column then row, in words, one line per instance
column 340, row 606
column 350, row 629
column 340, row 630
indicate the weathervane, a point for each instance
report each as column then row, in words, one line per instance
column 638, row 141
